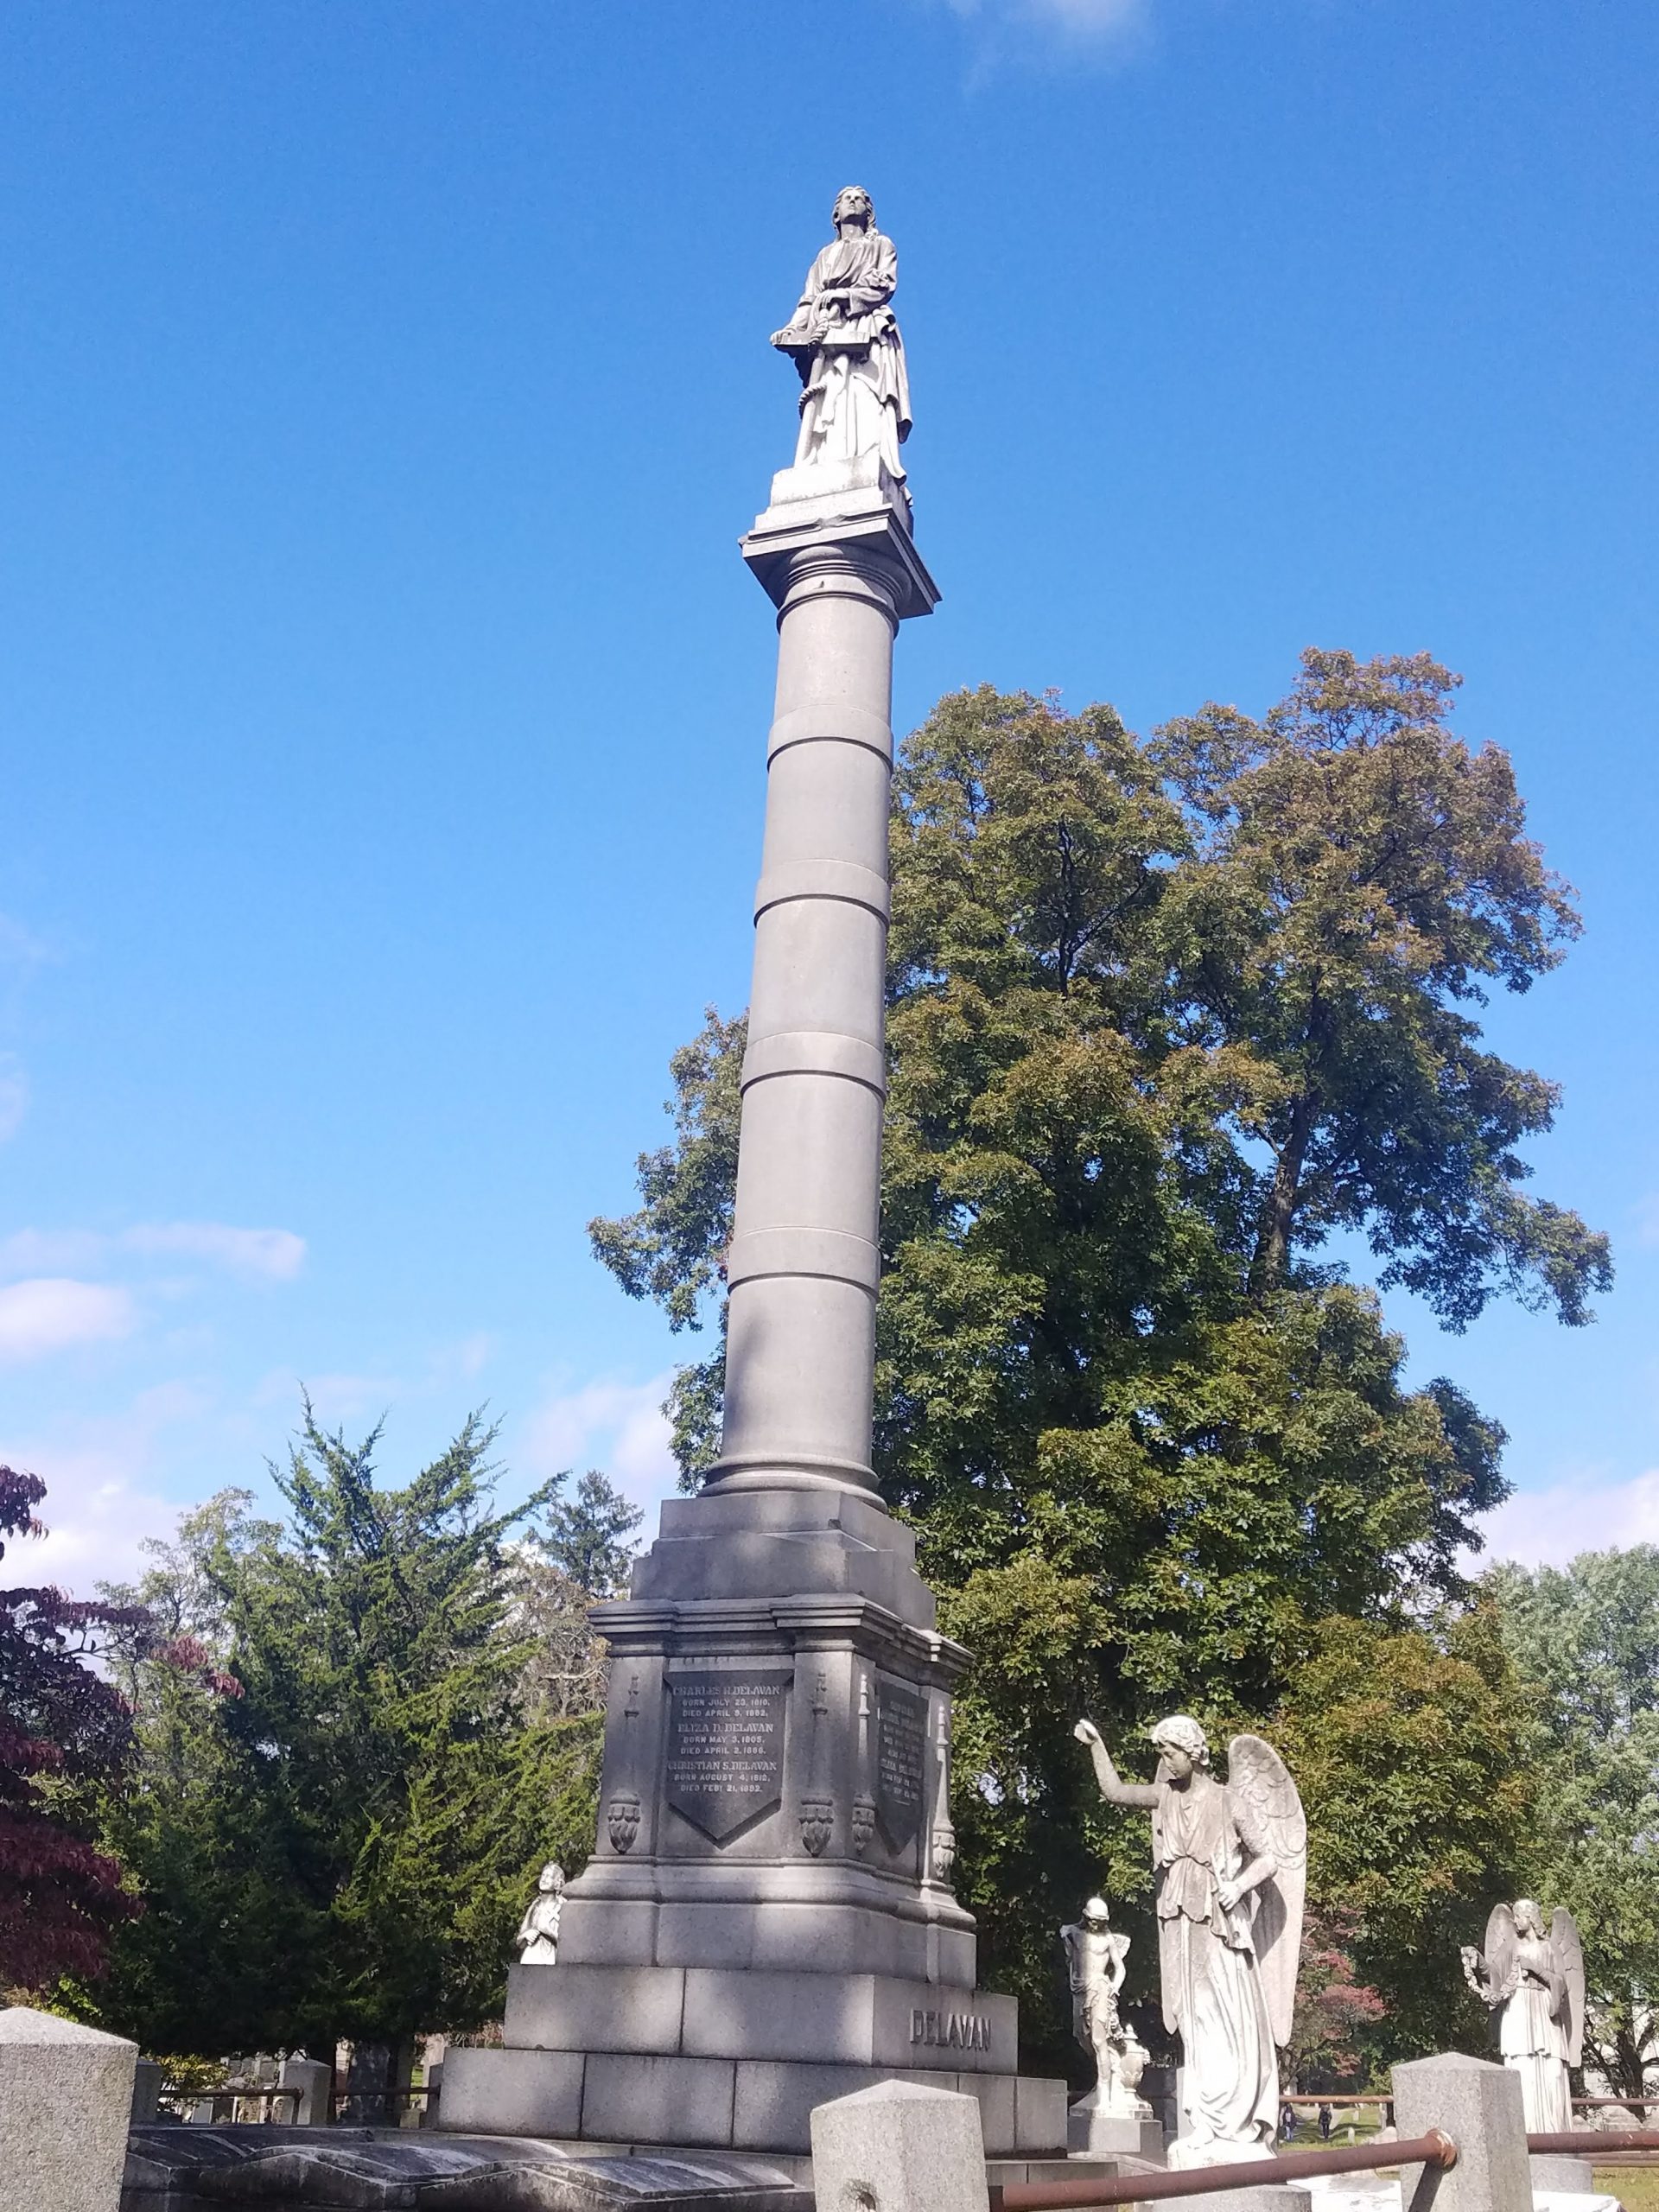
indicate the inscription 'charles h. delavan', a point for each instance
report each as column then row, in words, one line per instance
column 725, row 1749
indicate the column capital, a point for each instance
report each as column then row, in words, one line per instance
column 840, row 518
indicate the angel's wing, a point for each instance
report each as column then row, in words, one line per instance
column 1268, row 1815
column 1502, row 1937
column 1569, row 1958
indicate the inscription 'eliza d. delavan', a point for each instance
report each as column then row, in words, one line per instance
column 725, row 1749
column 950, row 2031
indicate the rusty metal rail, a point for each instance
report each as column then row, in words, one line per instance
column 1433, row 2149
column 1584, row 2140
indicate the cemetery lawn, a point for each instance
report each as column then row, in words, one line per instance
column 1636, row 2187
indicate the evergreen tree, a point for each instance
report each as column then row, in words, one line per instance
column 343, row 1849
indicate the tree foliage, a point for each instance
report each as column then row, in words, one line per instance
column 65, row 1731
column 1586, row 1638
column 340, row 1847
column 1165, row 1018
column 578, row 1556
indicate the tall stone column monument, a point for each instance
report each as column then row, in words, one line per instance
column 767, row 1921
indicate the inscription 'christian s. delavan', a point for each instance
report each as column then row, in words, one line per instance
column 725, row 1749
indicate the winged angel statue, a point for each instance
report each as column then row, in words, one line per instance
column 1231, row 1873
column 1532, row 1978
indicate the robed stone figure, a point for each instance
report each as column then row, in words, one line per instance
column 1532, row 1977
column 843, row 339
column 1231, row 1873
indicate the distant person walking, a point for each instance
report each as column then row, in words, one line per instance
column 1286, row 2123
column 1327, row 2120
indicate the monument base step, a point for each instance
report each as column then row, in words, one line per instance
column 841, row 2019
column 720, row 2104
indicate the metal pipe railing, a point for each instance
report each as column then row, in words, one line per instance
column 1597, row 2138
column 1434, row 2149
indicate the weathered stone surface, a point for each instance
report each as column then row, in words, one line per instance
column 1270, row 2197
column 312, row 2082
column 1558, row 2173
column 1108, row 2133
column 629, row 2099
column 192, row 2169
column 65, row 2105
column 1479, row 2106
column 1039, row 2114
column 595, row 2008
column 146, row 2091
column 511, row 2091
column 899, row 2148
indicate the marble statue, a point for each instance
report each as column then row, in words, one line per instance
column 538, row 1931
column 844, row 341
column 1095, row 1959
column 1231, row 1874
column 1532, row 1978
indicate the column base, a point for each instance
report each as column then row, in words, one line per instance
column 735, row 2104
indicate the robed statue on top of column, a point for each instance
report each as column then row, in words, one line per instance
column 1230, row 1875
column 844, row 340
column 1532, row 1977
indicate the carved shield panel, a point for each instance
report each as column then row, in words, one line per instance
column 900, row 1763
column 725, row 1749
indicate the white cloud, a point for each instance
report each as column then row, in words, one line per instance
column 1546, row 1527
column 98, row 1506
column 1076, row 20
column 617, row 1427
column 53, row 1313
column 266, row 1255
column 257, row 1255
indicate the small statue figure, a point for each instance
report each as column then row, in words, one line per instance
column 1231, row 1874
column 1095, row 1958
column 1532, row 1978
column 538, row 1931
column 844, row 339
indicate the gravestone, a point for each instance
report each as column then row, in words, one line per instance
column 66, row 2106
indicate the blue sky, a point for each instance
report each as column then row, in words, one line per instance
column 382, row 701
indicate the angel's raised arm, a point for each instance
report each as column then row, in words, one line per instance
column 1113, row 1788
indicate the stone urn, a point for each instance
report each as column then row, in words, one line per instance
column 622, row 1819
column 818, row 1821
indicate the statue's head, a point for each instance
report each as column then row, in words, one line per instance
column 1528, row 1916
column 852, row 205
column 551, row 1877
column 1182, row 1745
column 1095, row 1914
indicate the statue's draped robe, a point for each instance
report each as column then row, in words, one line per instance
column 856, row 395
column 1532, row 2037
column 1213, row 1989
column 538, row 1931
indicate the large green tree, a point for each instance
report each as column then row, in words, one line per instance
column 335, row 1839
column 1165, row 1017
column 1585, row 1637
